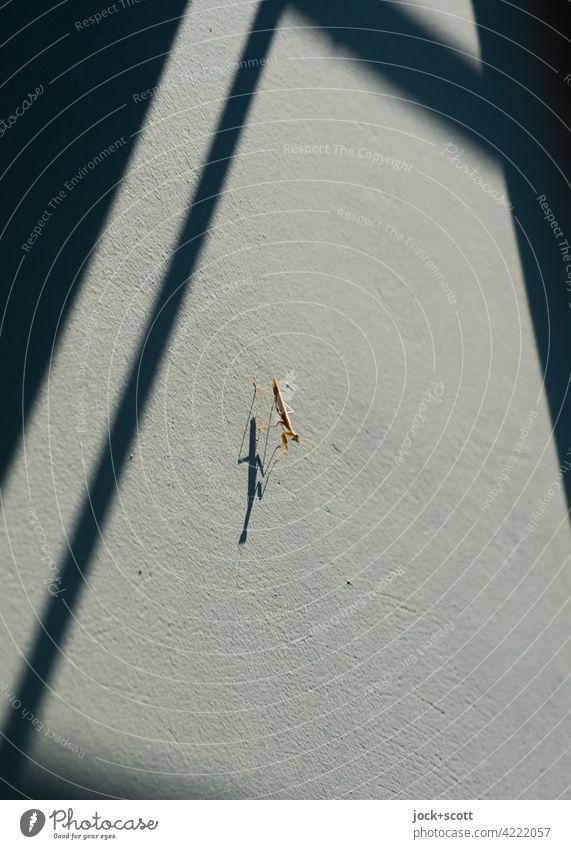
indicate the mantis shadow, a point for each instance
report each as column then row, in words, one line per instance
column 256, row 465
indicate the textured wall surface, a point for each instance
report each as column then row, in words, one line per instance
column 386, row 620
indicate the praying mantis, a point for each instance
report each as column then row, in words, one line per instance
column 283, row 412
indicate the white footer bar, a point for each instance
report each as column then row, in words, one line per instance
column 288, row 824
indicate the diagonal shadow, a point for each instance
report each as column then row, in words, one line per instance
column 130, row 50
column 142, row 375
column 397, row 47
column 544, row 267
column 472, row 104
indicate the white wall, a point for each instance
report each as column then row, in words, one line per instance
column 379, row 633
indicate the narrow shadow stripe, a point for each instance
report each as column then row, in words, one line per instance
column 131, row 48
